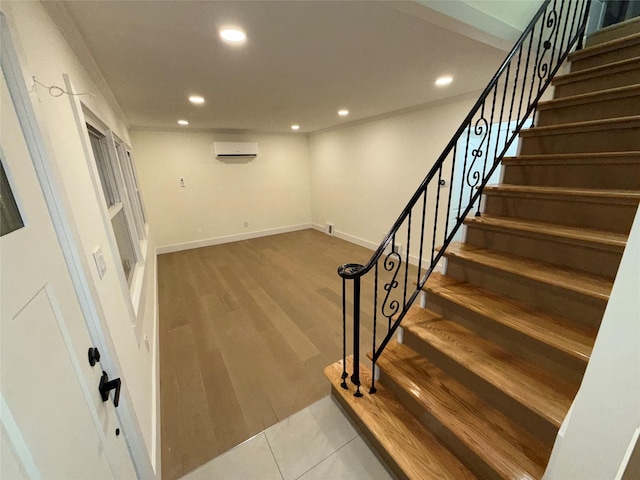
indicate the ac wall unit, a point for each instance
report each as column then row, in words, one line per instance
column 235, row 149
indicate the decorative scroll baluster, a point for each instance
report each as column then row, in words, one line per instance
column 392, row 263
column 553, row 32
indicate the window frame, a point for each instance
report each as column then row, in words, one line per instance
column 138, row 232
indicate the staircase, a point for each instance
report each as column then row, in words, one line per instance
column 491, row 360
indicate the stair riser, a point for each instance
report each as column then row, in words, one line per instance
column 576, row 141
column 548, row 298
column 613, row 32
column 618, row 176
column 613, row 217
column 621, row 78
column 564, row 366
column 440, row 431
column 604, row 58
column 600, row 110
column 490, row 394
column 579, row 257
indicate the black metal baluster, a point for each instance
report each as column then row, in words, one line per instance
column 355, row 378
column 464, row 174
column 535, row 66
column 424, row 213
column 344, row 335
column 517, row 76
column 484, row 164
column 581, row 31
column 406, row 263
column 393, row 249
column 435, row 217
column 504, row 98
column 453, row 167
column 555, row 40
column 525, row 76
column 375, row 323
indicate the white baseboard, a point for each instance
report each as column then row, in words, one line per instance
column 357, row 240
column 349, row 238
column 413, row 259
column 231, row 238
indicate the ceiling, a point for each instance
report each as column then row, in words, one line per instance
column 302, row 62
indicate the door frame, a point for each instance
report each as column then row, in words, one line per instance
column 68, row 239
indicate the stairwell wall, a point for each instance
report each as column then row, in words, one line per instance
column 603, row 423
column 363, row 175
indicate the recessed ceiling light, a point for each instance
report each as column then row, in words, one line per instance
column 233, row 36
column 343, row 113
column 442, row 81
column 295, row 127
column 197, row 99
column 183, row 122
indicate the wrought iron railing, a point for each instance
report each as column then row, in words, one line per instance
column 437, row 210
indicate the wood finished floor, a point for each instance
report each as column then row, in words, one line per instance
column 246, row 329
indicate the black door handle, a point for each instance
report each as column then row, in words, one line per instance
column 107, row 385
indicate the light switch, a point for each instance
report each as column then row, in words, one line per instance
column 100, row 263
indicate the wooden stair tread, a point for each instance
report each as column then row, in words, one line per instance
column 594, row 286
column 568, row 337
column 410, row 445
column 503, row 445
column 606, row 158
column 575, row 235
column 630, row 197
column 605, row 47
column 597, row 96
column 606, row 124
column 529, row 385
column 599, row 71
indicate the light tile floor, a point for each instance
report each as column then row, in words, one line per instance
column 317, row 443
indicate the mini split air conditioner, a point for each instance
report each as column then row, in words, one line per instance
column 235, row 149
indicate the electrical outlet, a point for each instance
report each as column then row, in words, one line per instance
column 182, row 183
column 246, row 224
column 397, row 248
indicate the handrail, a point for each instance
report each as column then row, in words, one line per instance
column 478, row 126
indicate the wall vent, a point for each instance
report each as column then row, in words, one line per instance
column 328, row 229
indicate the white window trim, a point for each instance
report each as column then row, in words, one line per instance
column 134, row 290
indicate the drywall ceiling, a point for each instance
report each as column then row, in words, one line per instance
column 302, row 62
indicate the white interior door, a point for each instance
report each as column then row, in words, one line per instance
column 54, row 422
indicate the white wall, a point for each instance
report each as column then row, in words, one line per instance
column 363, row 175
column 270, row 192
column 605, row 415
column 44, row 53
